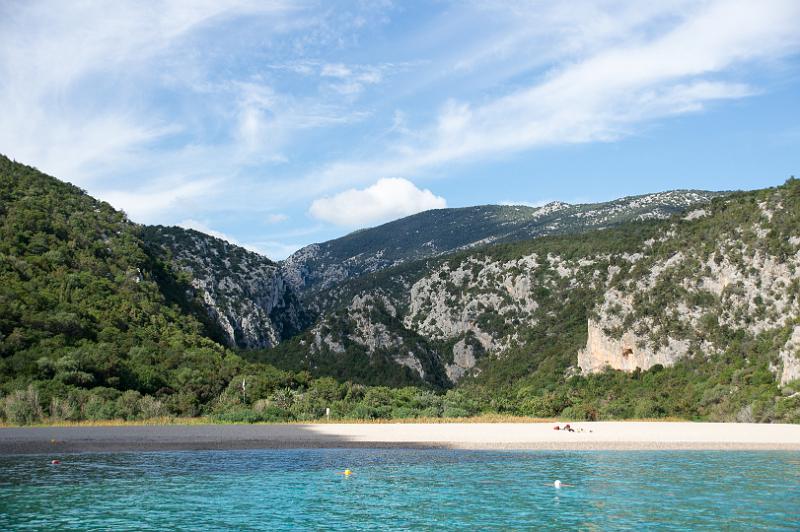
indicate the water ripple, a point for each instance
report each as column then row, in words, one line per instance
column 402, row 490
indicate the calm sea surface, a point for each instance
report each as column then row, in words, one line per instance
column 402, row 489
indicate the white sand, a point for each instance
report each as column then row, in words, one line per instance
column 601, row 435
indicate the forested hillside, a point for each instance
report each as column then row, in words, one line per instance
column 694, row 316
column 87, row 310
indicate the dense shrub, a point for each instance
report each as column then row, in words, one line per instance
column 22, row 407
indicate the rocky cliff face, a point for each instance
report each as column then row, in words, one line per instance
column 444, row 319
column 701, row 284
column 687, row 295
column 788, row 367
column 244, row 293
column 719, row 275
column 625, row 353
column 371, row 325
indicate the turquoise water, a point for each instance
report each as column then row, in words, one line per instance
column 402, row 489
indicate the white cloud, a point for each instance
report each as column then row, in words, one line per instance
column 276, row 250
column 335, row 71
column 350, row 80
column 268, row 120
column 170, row 114
column 387, row 199
column 273, row 250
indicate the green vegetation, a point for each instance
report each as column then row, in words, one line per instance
column 98, row 322
column 89, row 317
column 533, row 377
column 734, row 386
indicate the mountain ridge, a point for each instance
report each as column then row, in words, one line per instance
column 441, row 231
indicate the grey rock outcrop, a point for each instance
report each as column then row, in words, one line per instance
column 243, row 292
column 626, row 353
column 790, row 358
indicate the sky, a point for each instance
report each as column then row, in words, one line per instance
column 275, row 124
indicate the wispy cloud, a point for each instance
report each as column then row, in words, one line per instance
column 69, row 74
column 678, row 66
column 146, row 204
column 268, row 248
column 123, row 100
column 276, row 218
column 275, row 249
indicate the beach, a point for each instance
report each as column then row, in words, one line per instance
column 497, row 436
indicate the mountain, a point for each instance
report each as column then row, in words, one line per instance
column 707, row 300
column 243, row 292
column 85, row 305
column 442, row 231
column 696, row 315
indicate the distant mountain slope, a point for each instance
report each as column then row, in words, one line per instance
column 442, row 231
column 243, row 292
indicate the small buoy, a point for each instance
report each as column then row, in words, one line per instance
column 347, row 472
column 557, row 484
column 53, row 440
column 55, row 462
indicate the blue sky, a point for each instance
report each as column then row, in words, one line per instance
column 277, row 124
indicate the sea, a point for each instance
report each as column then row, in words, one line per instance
column 396, row 489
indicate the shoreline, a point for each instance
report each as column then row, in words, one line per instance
column 476, row 436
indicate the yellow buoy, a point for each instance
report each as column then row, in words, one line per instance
column 347, row 472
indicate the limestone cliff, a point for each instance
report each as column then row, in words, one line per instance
column 626, row 353
column 790, row 358
column 687, row 295
column 243, row 292
column 718, row 281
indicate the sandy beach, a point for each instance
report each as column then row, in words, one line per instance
column 588, row 436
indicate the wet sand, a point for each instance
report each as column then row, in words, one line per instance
column 588, row 436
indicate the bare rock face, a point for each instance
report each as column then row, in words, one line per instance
column 626, row 353
column 463, row 361
column 790, row 358
column 411, row 361
column 370, row 326
column 243, row 292
column 682, row 299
